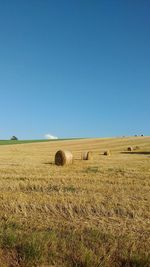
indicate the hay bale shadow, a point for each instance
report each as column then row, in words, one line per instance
column 49, row 163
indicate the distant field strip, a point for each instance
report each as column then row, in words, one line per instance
column 17, row 142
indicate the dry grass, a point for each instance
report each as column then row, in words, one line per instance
column 89, row 214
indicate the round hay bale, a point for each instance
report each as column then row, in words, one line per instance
column 63, row 158
column 130, row 148
column 87, row 155
column 107, row 153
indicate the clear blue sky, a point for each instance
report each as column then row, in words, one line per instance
column 74, row 68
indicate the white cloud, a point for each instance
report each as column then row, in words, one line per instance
column 49, row 136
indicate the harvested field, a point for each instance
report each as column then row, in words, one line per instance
column 89, row 214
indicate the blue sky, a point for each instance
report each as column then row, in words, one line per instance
column 74, row 68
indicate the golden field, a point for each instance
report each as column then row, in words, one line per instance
column 93, row 213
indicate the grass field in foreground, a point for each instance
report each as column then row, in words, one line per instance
column 90, row 214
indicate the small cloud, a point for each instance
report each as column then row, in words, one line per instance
column 49, row 136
